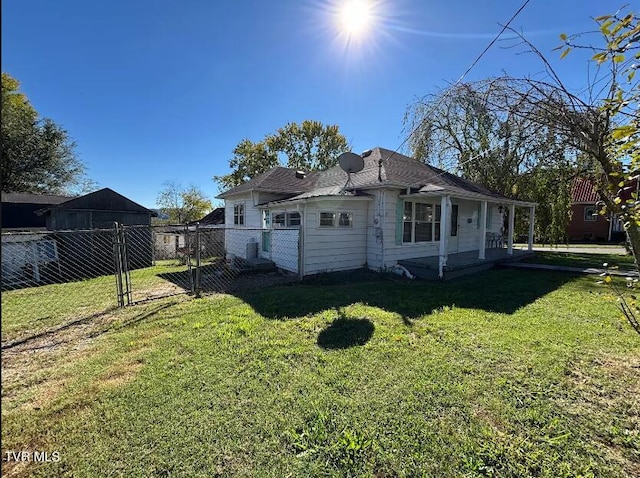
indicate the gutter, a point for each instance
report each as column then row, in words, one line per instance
column 471, row 196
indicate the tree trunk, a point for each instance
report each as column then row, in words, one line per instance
column 633, row 234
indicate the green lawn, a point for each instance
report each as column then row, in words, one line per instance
column 506, row 373
column 33, row 310
column 583, row 260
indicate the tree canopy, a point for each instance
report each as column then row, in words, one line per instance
column 183, row 205
column 466, row 130
column 309, row 146
column 38, row 156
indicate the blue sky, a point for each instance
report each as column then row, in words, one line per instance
column 163, row 90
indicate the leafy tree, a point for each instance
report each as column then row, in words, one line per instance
column 617, row 153
column 183, row 205
column 309, row 146
column 601, row 122
column 465, row 129
column 38, row 156
column 249, row 160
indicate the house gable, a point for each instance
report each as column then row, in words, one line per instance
column 99, row 209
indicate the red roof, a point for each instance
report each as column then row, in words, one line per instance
column 582, row 191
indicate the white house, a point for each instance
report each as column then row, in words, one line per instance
column 395, row 209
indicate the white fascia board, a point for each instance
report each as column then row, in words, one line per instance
column 471, row 196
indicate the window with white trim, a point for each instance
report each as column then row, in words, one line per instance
column 288, row 219
column 327, row 219
column 238, row 214
column 279, row 219
column 590, row 213
column 293, row 219
column 345, row 219
column 336, row 219
column 421, row 222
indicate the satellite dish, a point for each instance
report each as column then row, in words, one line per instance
column 351, row 162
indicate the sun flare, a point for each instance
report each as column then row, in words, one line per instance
column 355, row 17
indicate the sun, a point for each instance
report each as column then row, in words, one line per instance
column 355, row 16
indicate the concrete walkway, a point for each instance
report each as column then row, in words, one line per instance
column 580, row 270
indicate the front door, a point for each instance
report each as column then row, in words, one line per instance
column 454, row 229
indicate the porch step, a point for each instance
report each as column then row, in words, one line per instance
column 460, row 264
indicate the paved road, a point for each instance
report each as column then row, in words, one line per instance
column 577, row 249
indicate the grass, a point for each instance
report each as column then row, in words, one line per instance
column 506, row 373
column 582, row 260
column 34, row 310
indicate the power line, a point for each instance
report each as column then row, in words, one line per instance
column 459, row 80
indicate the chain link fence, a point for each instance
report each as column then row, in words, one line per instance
column 49, row 277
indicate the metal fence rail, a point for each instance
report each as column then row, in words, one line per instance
column 49, row 275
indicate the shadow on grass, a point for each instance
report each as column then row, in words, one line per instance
column 344, row 333
column 498, row 290
column 87, row 327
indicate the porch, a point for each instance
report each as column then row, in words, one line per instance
column 462, row 263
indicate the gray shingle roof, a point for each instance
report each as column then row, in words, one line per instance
column 384, row 166
column 277, row 180
column 381, row 167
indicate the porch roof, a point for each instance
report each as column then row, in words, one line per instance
column 430, row 190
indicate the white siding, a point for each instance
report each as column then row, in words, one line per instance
column 236, row 237
column 284, row 248
column 236, row 241
column 392, row 252
column 375, row 230
column 468, row 233
column 252, row 216
column 337, row 248
column 167, row 243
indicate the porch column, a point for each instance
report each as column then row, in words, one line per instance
column 445, row 204
column 512, row 218
column 483, row 230
column 532, row 219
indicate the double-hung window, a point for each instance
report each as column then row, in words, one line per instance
column 238, row 214
column 421, row 222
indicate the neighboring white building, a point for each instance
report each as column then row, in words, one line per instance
column 24, row 255
column 396, row 208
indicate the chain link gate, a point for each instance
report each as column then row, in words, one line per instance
column 58, row 276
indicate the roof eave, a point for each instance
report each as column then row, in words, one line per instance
column 472, row 196
column 259, row 190
column 311, row 199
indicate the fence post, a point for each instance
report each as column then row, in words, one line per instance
column 198, row 271
column 117, row 264
column 300, row 253
column 125, row 264
column 188, row 244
